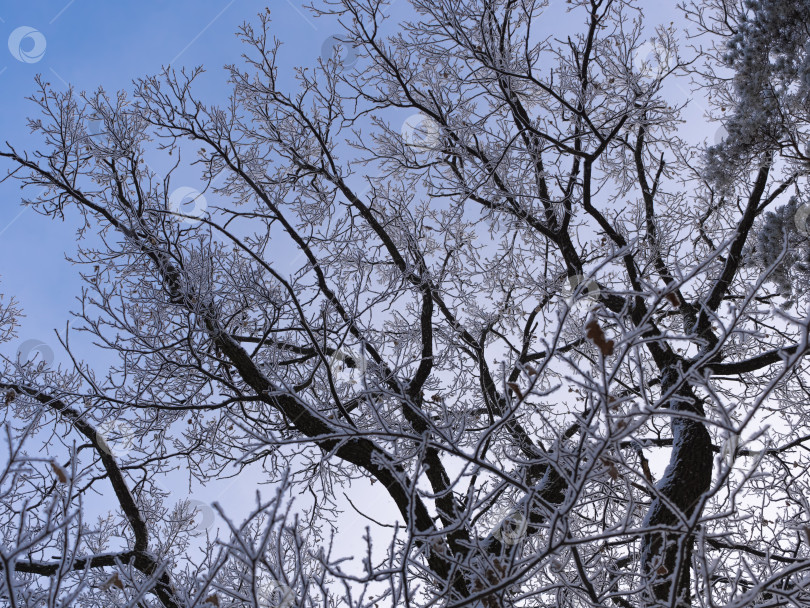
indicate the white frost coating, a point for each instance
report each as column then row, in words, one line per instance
column 782, row 246
column 450, row 262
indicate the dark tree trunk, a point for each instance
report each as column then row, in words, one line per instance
column 667, row 555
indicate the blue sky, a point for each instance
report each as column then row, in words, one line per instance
column 108, row 43
column 104, row 43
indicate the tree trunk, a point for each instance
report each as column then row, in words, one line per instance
column 667, row 555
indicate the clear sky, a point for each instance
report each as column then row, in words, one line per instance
column 108, row 43
column 104, row 43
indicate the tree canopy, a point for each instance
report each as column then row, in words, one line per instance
column 467, row 267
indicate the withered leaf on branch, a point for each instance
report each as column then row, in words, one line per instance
column 61, row 475
column 113, row 581
column 673, row 299
column 611, row 468
column 594, row 332
column 515, row 389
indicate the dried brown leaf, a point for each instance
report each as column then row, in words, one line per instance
column 60, row 472
column 113, row 581
column 515, row 389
